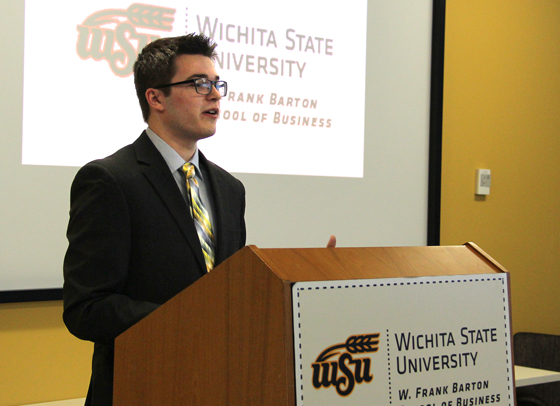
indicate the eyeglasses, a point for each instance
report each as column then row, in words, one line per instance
column 202, row 85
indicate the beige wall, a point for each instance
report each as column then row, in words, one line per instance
column 501, row 112
column 40, row 361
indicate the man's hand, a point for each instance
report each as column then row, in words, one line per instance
column 332, row 242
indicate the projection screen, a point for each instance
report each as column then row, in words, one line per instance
column 327, row 120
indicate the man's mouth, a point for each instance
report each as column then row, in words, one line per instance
column 213, row 112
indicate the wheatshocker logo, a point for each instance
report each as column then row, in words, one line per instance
column 346, row 371
column 112, row 34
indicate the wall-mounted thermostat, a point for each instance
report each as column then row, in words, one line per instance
column 483, row 181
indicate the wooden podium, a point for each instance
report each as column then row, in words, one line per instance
column 228, row 338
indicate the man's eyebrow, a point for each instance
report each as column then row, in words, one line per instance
column 201, row 75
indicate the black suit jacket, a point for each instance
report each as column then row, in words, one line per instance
column 133, row 245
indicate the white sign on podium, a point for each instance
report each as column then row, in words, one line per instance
column 442, row 341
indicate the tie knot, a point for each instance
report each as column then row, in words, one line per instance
column 189, row 170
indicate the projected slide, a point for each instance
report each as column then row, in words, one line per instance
column 295, row 72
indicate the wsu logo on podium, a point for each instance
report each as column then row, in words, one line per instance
column 112, row 34
column 340, row 365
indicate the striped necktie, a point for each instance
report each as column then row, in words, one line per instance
column 200, row 215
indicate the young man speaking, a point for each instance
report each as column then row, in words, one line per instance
column 151, row 219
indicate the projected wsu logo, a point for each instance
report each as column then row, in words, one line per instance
column 346, row 371
column 112, row 34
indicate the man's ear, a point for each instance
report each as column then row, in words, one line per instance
column 155, row 99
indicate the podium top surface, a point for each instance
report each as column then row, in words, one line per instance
column 316, row 264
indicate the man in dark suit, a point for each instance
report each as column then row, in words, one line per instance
column 133, row 242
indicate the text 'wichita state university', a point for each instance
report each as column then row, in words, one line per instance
column 407, row 342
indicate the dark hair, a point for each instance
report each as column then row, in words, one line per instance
column 155, row 65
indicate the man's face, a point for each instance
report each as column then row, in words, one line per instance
column 189, row 115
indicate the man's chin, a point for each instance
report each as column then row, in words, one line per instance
column 206, row 135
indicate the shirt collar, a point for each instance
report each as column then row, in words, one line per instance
column 172, row 158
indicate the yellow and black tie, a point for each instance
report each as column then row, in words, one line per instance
column 200, row 215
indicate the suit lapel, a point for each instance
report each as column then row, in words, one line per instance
column 217, row 187
column 157, row 172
